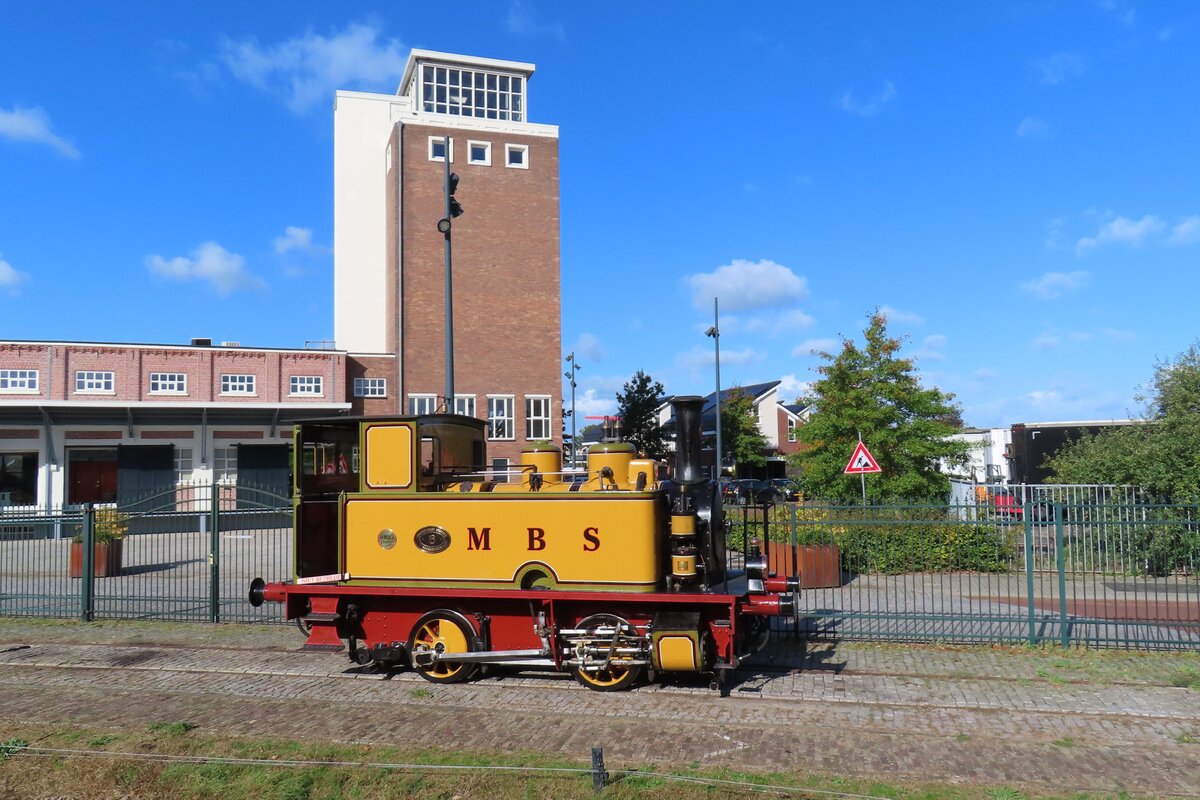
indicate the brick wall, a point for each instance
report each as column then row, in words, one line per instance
column 506, row 275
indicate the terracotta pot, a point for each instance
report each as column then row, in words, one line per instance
column 819, row 565
column 106, row 556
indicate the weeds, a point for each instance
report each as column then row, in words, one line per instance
column 12, row 746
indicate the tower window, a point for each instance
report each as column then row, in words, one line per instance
column 472, row 93
column 437, row 148
column 480, row 153
column 516, row 156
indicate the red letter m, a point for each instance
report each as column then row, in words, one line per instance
column 479, row 541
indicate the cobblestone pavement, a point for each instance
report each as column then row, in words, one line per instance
column 894, row 713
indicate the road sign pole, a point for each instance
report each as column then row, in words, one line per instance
column 862, row 476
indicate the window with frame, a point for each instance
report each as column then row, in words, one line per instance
column 168, row 383
column 93, row 381
column 183, row 464
column 479, row 153
column 312, row 385
column 419, row 404
column 18, row 380
column 464, row 404
column 500, row 417
column 472, row 93
column 500, row 470
column 791, row 430
column 537, row 417
column 516, row 156
column 225, row 465
column 370, row 387
column 437, row 148
column 237, row 384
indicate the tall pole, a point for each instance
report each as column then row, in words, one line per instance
column 570, row 373
column 449, row 291
column 715, row 333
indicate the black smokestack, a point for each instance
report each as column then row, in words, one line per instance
column 687, row 440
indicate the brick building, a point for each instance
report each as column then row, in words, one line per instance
column 389, row 295
column 94, row 422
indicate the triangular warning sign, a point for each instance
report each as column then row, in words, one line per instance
column 861, row 462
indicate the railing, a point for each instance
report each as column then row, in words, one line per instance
column 1095, row 573
column 187, row 553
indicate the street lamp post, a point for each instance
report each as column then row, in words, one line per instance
column 715, row 333
column 570, row 375
column 452, row 209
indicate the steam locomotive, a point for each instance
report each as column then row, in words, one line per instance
column 407, row 554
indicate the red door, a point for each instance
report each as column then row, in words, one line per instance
column 92, row 481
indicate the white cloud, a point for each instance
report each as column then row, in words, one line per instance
column 588, row 346
column 986, row 372
column 306, row 71
column 11, row 278
column 791, row 387
column 1059, row 67
column 1056, row 284
column 522, row 22
column 1117, row 335
column 769, row 324
column 807, row 347
column 1122, row 230
column 702, row 359
column 896, row 315
column 33, row 125
column 225, row 271
column 931, row 349
column 590, row 403
column 1122, row 10
column 744, row 285
column 1186, row 232
column 1046, row 341
column 1032, row 128
column 871, row 106
column 294, row 239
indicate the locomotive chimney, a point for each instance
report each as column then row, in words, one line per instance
column 687, row 440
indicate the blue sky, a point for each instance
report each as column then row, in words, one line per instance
column 1015, row 184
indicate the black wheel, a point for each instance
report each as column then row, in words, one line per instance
column 617, row 676
column 443, row 632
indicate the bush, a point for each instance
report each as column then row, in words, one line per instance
column 893, row 541
column 110, row 525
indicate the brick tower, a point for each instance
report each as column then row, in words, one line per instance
column 389, row 296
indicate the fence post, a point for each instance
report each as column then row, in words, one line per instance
column 87, row 590
column 1064, row 637
column 1029, row 572
column 214, row 558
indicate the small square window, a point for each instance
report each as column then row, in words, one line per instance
column 516, row 156
column 480, row 153
column 237, row 384
column 98, row 382
column 437, row 148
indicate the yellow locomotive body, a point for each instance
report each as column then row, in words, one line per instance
column 416, row 555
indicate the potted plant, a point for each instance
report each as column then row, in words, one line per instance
column 108, row 538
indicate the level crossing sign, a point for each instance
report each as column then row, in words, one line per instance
column 861, row 462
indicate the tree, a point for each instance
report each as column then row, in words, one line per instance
column 1162, row 456
column 637, row 406
column 875, row 392
column 742, row 442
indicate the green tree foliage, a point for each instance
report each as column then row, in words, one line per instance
column 742, row 442
column 1161, row 456
column 636, row 406
column 873, row 391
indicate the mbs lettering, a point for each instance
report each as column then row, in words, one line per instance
column 482, row 539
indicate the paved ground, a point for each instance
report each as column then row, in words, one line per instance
column 1110, row 722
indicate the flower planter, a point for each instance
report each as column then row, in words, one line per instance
column 106, row 556
column 819, row 565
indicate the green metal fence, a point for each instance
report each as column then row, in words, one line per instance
column 1100, row 574
column 188, row 553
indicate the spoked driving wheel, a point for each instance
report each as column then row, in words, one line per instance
column 443, row 632
column 609, row 670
